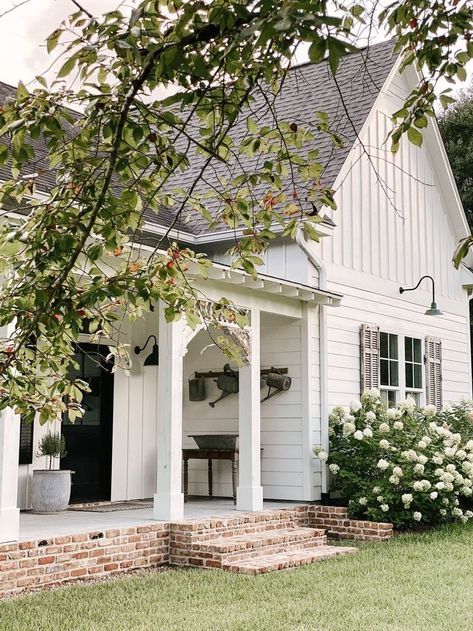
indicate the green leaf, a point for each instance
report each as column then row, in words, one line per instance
column 53, row 40
column 67, row 68
column 415, row 136
column 317, row 50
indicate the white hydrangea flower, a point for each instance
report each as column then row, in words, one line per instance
column 469, row 444
column 417, row 515
column 384, row 427
column 349, row 418
column 449, row 486
column 467, row 466
column 358, row 435
column 376, row 490
column 429, row 410
column 384, row 508
column 407, row 498
column 380, row 499
column 440, row 485
column 382, row 464
column 439, row 472
column 443, row 512
column 355, row 406
column 384, row 444
column 427, row 440
column 391, row 413
column 348, row 428
column 434, row 495
column 368, row 432
column 422, row 459
column 397, row 471
column 461, row 454
column 457, row 512
column 370, row 395
column 422, row 444
column 433, row 427
column 448, row 477
column 398, row 425
column 450, row 468
column 450, row 451
column 394, row 479
column 370, row 416
column 321, row 454
column 457, row 438
column 334, row 468
column 437, row 459
column 419, row 468
column 470, row 457
column 445, row 501
column 466, row 491
column 363, row 501
column 469, row 514
column 410, row 455
column 418, row 486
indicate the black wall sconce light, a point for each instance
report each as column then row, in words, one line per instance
column 433, row 310
column 153, row 357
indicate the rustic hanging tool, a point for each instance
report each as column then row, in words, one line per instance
column 197, row 389
column 277, row 383
column 227, row 383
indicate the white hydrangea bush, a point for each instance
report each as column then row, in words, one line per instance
column 407, row 465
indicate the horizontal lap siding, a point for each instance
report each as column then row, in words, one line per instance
column 281, row 416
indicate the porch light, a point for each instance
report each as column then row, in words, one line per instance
column 153, row 357
column 433, row 310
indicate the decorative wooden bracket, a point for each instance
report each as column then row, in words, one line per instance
column 264, row 371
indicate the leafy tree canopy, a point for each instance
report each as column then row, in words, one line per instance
column 456, row 126
column 70, row 259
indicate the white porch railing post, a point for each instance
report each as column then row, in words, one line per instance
column 250, row 491
column 9, row 445
column 169, row 499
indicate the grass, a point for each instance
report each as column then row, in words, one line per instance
column 415, row 582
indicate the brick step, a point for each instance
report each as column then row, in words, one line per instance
column 258, row 544
column 285, row 560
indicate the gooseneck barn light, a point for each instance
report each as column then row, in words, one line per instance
column 433, row 310
column 153, row 357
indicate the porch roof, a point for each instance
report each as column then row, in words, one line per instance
column 273, row 285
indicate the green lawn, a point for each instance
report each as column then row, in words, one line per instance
column 415, row 582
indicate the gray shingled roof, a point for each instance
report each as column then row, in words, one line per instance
column 308, row 88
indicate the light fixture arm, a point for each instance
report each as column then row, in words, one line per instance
column 138, row 350
column 403, row 289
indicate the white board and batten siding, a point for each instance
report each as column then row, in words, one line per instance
column 393, row 226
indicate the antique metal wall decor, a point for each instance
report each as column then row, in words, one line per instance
column 227, row 382
column 276, row 383
column 197, row 389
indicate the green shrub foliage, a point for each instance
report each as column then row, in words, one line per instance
column 406, row 465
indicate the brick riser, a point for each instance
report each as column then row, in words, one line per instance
column 218, row 552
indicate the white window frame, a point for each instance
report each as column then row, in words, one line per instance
column 401, row 390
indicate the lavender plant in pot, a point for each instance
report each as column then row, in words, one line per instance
column 51, row 488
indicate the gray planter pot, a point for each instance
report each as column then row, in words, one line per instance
column 50, row 491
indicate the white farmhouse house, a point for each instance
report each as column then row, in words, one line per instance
column 331, row 313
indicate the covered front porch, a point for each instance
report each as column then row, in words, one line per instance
column 154, row 419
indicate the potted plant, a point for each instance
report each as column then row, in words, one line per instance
column 51, row 488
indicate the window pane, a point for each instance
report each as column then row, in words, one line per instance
column 393, row 346
column 417, row 376
column 383, row 338
column 415, row 396
column 391, row 397
column 384, row 364
column 408, row 348
column 393, row 374
column 417, row 351
column 409, row 376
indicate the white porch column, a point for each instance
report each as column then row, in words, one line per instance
column 250, row 491
column 169, row 499
column 9, row 442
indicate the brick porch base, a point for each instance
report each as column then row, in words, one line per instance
column 249, row 543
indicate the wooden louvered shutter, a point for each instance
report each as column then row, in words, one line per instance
column 369, row 354
column 26, row 443
column 433, row 372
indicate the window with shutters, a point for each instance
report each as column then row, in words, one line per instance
column 389, row 367
column 399, row 365
column 433, row 372
column 26, row 442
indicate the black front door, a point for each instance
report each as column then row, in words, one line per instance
column 89, row 439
